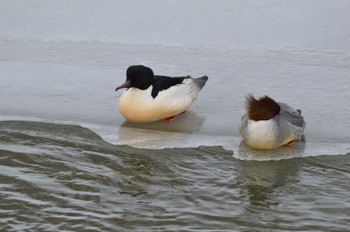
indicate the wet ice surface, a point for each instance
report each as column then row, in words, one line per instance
column 62, row 61
column 63, row 81
column 239, row 24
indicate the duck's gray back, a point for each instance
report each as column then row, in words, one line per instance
column 292, row 115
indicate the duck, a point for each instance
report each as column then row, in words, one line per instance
column 149, row 98
column 268, row 124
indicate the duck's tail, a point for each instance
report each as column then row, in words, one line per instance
column 200, row 81
column 263, row 108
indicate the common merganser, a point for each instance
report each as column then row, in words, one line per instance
column 150, row 97
column 269, row 124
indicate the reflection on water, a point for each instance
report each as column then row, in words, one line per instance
column 285, row 152
column 160, row 134
column 187, row 123
column 263, row 178
column 262, row 172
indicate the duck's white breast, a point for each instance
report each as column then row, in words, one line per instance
column 261, row 134
column 139, row 106
column 266, row 134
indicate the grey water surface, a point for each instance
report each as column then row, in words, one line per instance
column 66, row 178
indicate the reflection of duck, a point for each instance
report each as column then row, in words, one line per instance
column 285, row 152
column 150, row 98
column 186, row 123
column 262, row 178
column 268, row 124
column 160, row 134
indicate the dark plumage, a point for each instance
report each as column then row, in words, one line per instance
column 263, row 108
column 163, row 82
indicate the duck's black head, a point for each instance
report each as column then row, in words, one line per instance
column 138, row 76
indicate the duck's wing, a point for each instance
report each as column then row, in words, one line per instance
column 292, row 115
column 163, row 82
column 295, row 119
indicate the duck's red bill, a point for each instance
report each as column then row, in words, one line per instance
column 125, row 85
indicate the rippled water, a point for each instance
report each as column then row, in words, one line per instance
column 69, row 161
column 64, row 177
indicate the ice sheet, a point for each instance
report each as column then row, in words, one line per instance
column 62, row 61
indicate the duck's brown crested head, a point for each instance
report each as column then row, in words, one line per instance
column 263, row 108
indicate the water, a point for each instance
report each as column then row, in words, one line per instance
column 69, row 161
column 63, row 177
